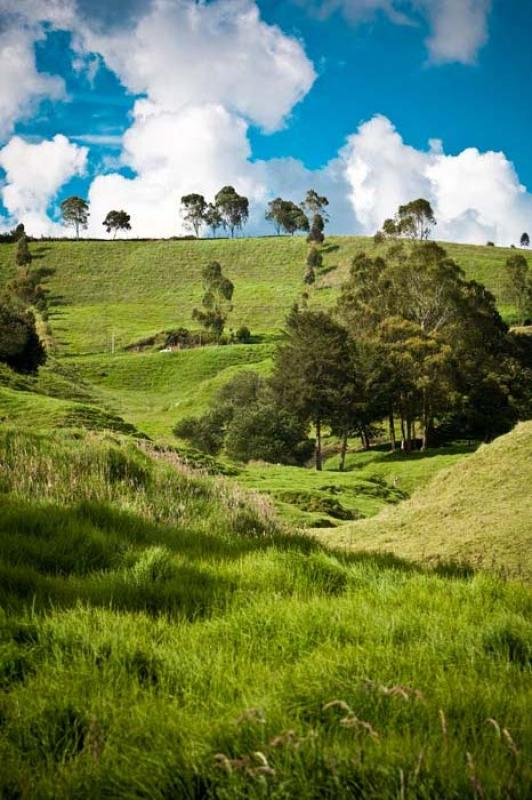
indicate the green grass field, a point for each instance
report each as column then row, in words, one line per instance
column 479, row 512
column 171, row 633
column 162, row 637
column 133, row 289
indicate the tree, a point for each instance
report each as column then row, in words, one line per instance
column 216, row 300
column 117, row 221
column 316, row 230
column 18, row 232
column 314, row 261
column 438, row 334
column 233, row 208
column 413, row 220
column 268, row 432
column 213, row 218
column 20, row 346
column 525, row 240
column 23, row 256
column 519, row 286
column 311, row 370
column 286, row 216
column 75, row 212
column 193, row 210
column 315, row 204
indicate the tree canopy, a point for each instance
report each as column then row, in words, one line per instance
column 75, row 212
column 117, row 221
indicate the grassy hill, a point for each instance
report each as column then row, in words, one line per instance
column 478, row 512
column 131, row 289
column 161, row 636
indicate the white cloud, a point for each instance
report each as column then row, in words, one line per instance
column 21, row 86
column 34, row 175
column 184, row 53
column 459, row 28
column 476, row 196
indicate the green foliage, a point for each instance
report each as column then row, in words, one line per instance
column 413, row 220
column 206, row 433
column 75, row 212
column 524, row 240
column 117, row 221
column 22, row 255
column 216, row 300
column 233, row 208
column 316, row 234
column 213, row 218
column 20, row 346
column 265, row 431
column 519, row 286
column 286, row 216
column 193, row 209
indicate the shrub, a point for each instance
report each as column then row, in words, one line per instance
column 205, row 433
column 243, row 334
column 268, row 433
column 20, row 346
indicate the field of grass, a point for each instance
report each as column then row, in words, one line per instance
column 479, row 511
column 130, row 289
column 162, row 637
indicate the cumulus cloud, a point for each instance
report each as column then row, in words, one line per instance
column 476, row 196
column 21, row 85
column 34, row 175
column 459, row 28
column 183, row 53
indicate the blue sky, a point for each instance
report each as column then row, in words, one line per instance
column 427, row 69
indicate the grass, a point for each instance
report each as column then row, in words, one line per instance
column 131, row 289
column 163, row 637
column 479, row 511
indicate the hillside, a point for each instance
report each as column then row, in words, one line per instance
column 131, row 289
column 161, row 636
column 477, row 512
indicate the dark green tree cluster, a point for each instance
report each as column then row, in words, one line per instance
column 246, row 420
column 116, row 221
column 310, row 216
column 414, row 220
column 216, row 302
column 229, row 211
column 518, row 286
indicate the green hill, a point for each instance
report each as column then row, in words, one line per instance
column 131, row 289
column 162, row 637
column 477, row 512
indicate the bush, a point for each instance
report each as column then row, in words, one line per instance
column 20, row 346
column 205, row 433
column 243, row 334
column 268, row 433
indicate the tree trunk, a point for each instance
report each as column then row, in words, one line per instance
column 391, row 423
column 343, row 452
column 408, row 442
column 318, row 445
column 365, row 438
column 428, row 424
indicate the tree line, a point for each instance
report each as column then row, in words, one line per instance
column 412, row 347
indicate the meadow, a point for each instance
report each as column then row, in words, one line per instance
column 168, row 629
column 162, row 636
column 126, row 290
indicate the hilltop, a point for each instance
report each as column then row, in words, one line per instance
column 132, row 289
column 477, row 512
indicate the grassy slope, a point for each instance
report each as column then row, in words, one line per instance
column 140, row 288
column 479, row 512
column 208, row 646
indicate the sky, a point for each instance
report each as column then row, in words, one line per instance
column 134, row 103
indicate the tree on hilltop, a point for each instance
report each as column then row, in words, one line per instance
column 213, row 218
column 233, row 208
column 413, row 220
column 75, row 212
column 286, row 216
column 525, row 240
column 193, row 209
column 117, row 221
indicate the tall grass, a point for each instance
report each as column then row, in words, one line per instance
column 161, row 637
